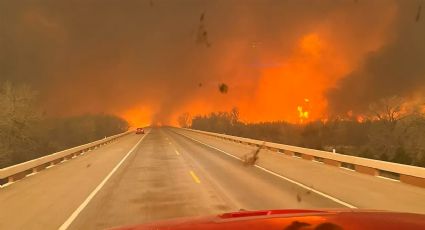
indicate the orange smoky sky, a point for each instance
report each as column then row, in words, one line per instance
column 147, row 62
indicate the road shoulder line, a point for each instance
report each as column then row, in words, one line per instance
column 195, row 178
column 280, row 176
column 80, row 208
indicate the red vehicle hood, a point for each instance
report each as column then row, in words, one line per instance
column 293, row 220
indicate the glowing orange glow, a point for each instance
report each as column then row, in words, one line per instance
column 287, row 84
column 138, row 116
column 312, row 68
column 302, row 114
column 299, row 81
column 311, row 45
column 360, row 119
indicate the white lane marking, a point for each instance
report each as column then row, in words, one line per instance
column 31, row 174
column 230, row 155
column 50, row 166
column 74, row 215
column 7, row 184
column 177, row 152
column 282, row 177
column 308, row 188
column 387, row 178
column 195, row 178
column 348, row 169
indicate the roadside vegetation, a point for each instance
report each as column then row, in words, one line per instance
column 390, row 131
column 25, row 133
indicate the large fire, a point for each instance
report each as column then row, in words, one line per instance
column 138, row 116
column 281, row 91
column 288, row 85
column 313, row 67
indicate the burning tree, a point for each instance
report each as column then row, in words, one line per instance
column 389, row 111
column 397, row 132
column 184, row 120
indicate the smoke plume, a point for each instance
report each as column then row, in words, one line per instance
column 149, row 61
column 397, row 68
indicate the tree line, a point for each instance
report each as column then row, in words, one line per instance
column 389, row 131
column 25, row 133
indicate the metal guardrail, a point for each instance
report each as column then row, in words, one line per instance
column 19, row 171
column 404, row 173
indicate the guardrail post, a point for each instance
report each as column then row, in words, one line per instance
column 366, row 170
column 412, row 180
column 41, row 167
column 289, row 153
column 57, row 161
column 332, row 162
column 4, row 181
column 20, row 171
column 307, row 157
column 404, row 173
column 19, row 175
column 272, row 149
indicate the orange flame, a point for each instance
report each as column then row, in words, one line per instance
column 303, row 115
column 317, row 60
column 138, row 116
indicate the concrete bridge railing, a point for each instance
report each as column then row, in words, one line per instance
column 19, row 171
column 404, row 173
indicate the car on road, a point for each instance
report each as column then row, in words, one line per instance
column 293, row 219
column 140, row 131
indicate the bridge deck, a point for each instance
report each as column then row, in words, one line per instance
column 170, row 175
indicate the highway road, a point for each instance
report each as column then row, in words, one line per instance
column 171, row 173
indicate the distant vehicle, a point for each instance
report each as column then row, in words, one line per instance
column 140, row 131
column 290, row 219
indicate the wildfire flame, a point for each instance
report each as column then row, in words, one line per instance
column 360, row 119
column 296, row 79
column 302, row 114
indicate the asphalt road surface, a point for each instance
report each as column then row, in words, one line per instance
column 169, row 173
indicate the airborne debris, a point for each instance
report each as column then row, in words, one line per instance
column 202, row 35
column 223, row 88
column 301, row 194
column 201, row 19
column 296, row 225
column 251, row 160
column 298, row 197
column 418, row 15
